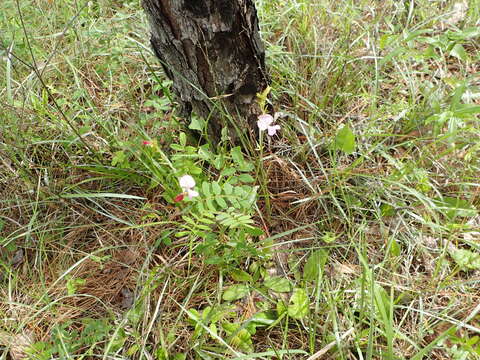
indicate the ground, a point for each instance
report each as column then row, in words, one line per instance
column 353, row 233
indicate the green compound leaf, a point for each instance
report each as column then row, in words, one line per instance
column 217, row 190
column 228, row 189
column 221, row 202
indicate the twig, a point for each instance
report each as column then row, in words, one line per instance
column 323, row 351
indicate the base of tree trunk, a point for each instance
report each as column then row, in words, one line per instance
column 212, row 51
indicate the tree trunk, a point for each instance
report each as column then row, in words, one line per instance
column 212, row 51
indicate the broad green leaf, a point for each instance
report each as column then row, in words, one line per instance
column 329, row 237
column 299, row 303
column 466, row 259
column 182, row 233
column 264, row 318
column 246, row 178
column 217, row 190
column 237, row 155
column 73, row 284
column 188, row 220
column 465, row 34
column 240, row 275
column 206, row 189
column 235, row 292
column 239, row 191
column 210, row 205
column 281, row 308
column 205, row 219
column 345, row 140
column 455, row 207
column 119, row 158
column 351, row 200
column 395, row 248
column 387, row 210
column 204, row 152
column 219, row 161
column 239, row 337
column 229, row 171
column 132, row 350
column 252, row 230
column 197, row 123
column 383, row 302
column 221, row 202
column 278, row 284
column 314, row 265
column 459, row 52
column 213, row 328
column 183, row 139
column 227, row 188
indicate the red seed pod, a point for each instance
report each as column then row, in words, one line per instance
column 179, row 197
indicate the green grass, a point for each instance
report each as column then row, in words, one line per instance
column 367, row 199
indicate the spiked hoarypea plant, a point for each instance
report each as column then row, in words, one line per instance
column 216, row 210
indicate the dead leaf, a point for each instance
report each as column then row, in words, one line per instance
column 18, row 343
column 17, row 257
column 127, row 298
column 459, row 12
column 474, row 224
column 346, row 269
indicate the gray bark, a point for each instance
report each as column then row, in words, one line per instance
column 212, row 51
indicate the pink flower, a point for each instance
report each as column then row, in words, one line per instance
column 266, row 122
column 147, row 143
column 272, row 130
column 187, row 183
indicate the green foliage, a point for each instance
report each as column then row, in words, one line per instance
column 393, row 83
column 225, row 206
column 315, row 265
column 73, row 284
column 466, row 259
column 464, row 347
column 222, row 215
column 278, row 284
column 345, row 140
column 455, row 207
column 238, row 337
column 235, row 292
column 262, row 99
column 298, row 307
column 66, row 341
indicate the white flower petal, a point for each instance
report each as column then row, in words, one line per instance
column 186, row 182
column 272, row 130
column 192, row 193
column 264, row 121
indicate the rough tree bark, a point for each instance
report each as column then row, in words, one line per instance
column 212, row 51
